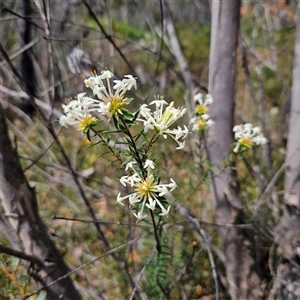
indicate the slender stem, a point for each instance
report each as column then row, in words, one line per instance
column 102, row 222
column 152, row 141
column 107, row 36
column 20, row 254
column 155, row 231
column 141, row 274
column 139, row 160
column 109, row 147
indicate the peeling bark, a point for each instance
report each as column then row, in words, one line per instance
column 22, row 225
column 287, row 281
column 243, row 279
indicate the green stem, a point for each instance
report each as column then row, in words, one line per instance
column 139, row 160
column 152, row 141
column 155, row 231
column 109, row 147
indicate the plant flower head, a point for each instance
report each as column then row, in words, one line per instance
column 112, row 100
column 201, row 123
column 247, row 136
column 78, row 112
column 201, row 104
column 161, row 119
column 148, row 192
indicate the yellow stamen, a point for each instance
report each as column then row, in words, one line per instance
column 246, row 143
column 117, row 105
column 146, row 188
column 86, row 123
column 201, row 109
column 202, row 124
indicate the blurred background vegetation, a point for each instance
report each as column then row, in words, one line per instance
column 264, row 73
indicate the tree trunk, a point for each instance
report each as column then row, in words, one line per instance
column 23, row 227
column 287, row 281
column 243, row 280
column 177, row 49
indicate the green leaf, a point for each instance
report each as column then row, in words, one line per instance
column 23, row 279
column 88, row 135
column 128, row 100
column 130, row 123
column 127, row 140
column 42, row 295
column 127, row 114
column 14, row 262
column 136, row 114
column 116, row 122
column 125, row 162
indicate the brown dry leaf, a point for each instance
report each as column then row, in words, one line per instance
column 134, row 257
column 101, row 206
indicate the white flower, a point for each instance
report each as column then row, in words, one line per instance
column 140, row 216
column 78, row 112
column 82, row 104
column 145, row 110
column 171, row 185
column 210, row 122
column 149, row 163
column 127, row 83
column 130, row 166
column 161, row 119
column 130, row 179
column 247, row 135
column 133, row 199
column 151, row 204
column 178, row 134
column 164, row 211
column 101, row 86
column 105, row 109
column 65, row 121
column 105, row 75
column 111, row 100
column 201, row 122
column 90, row 82
column 120, row 199
column 147, row 191
column 202, row 105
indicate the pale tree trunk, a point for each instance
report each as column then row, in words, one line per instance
column 287, row 280
column 242, row 277
column 23, row 227
column 176, row 48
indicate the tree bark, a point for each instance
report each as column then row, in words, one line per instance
column 23, row 227
column 242, row 277
column 287, row 281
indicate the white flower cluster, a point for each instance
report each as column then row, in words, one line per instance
column 148, row 191
column 77, row 111
column 247, row 135
column 160, row 120
column 201, row 121
column 111, row 101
